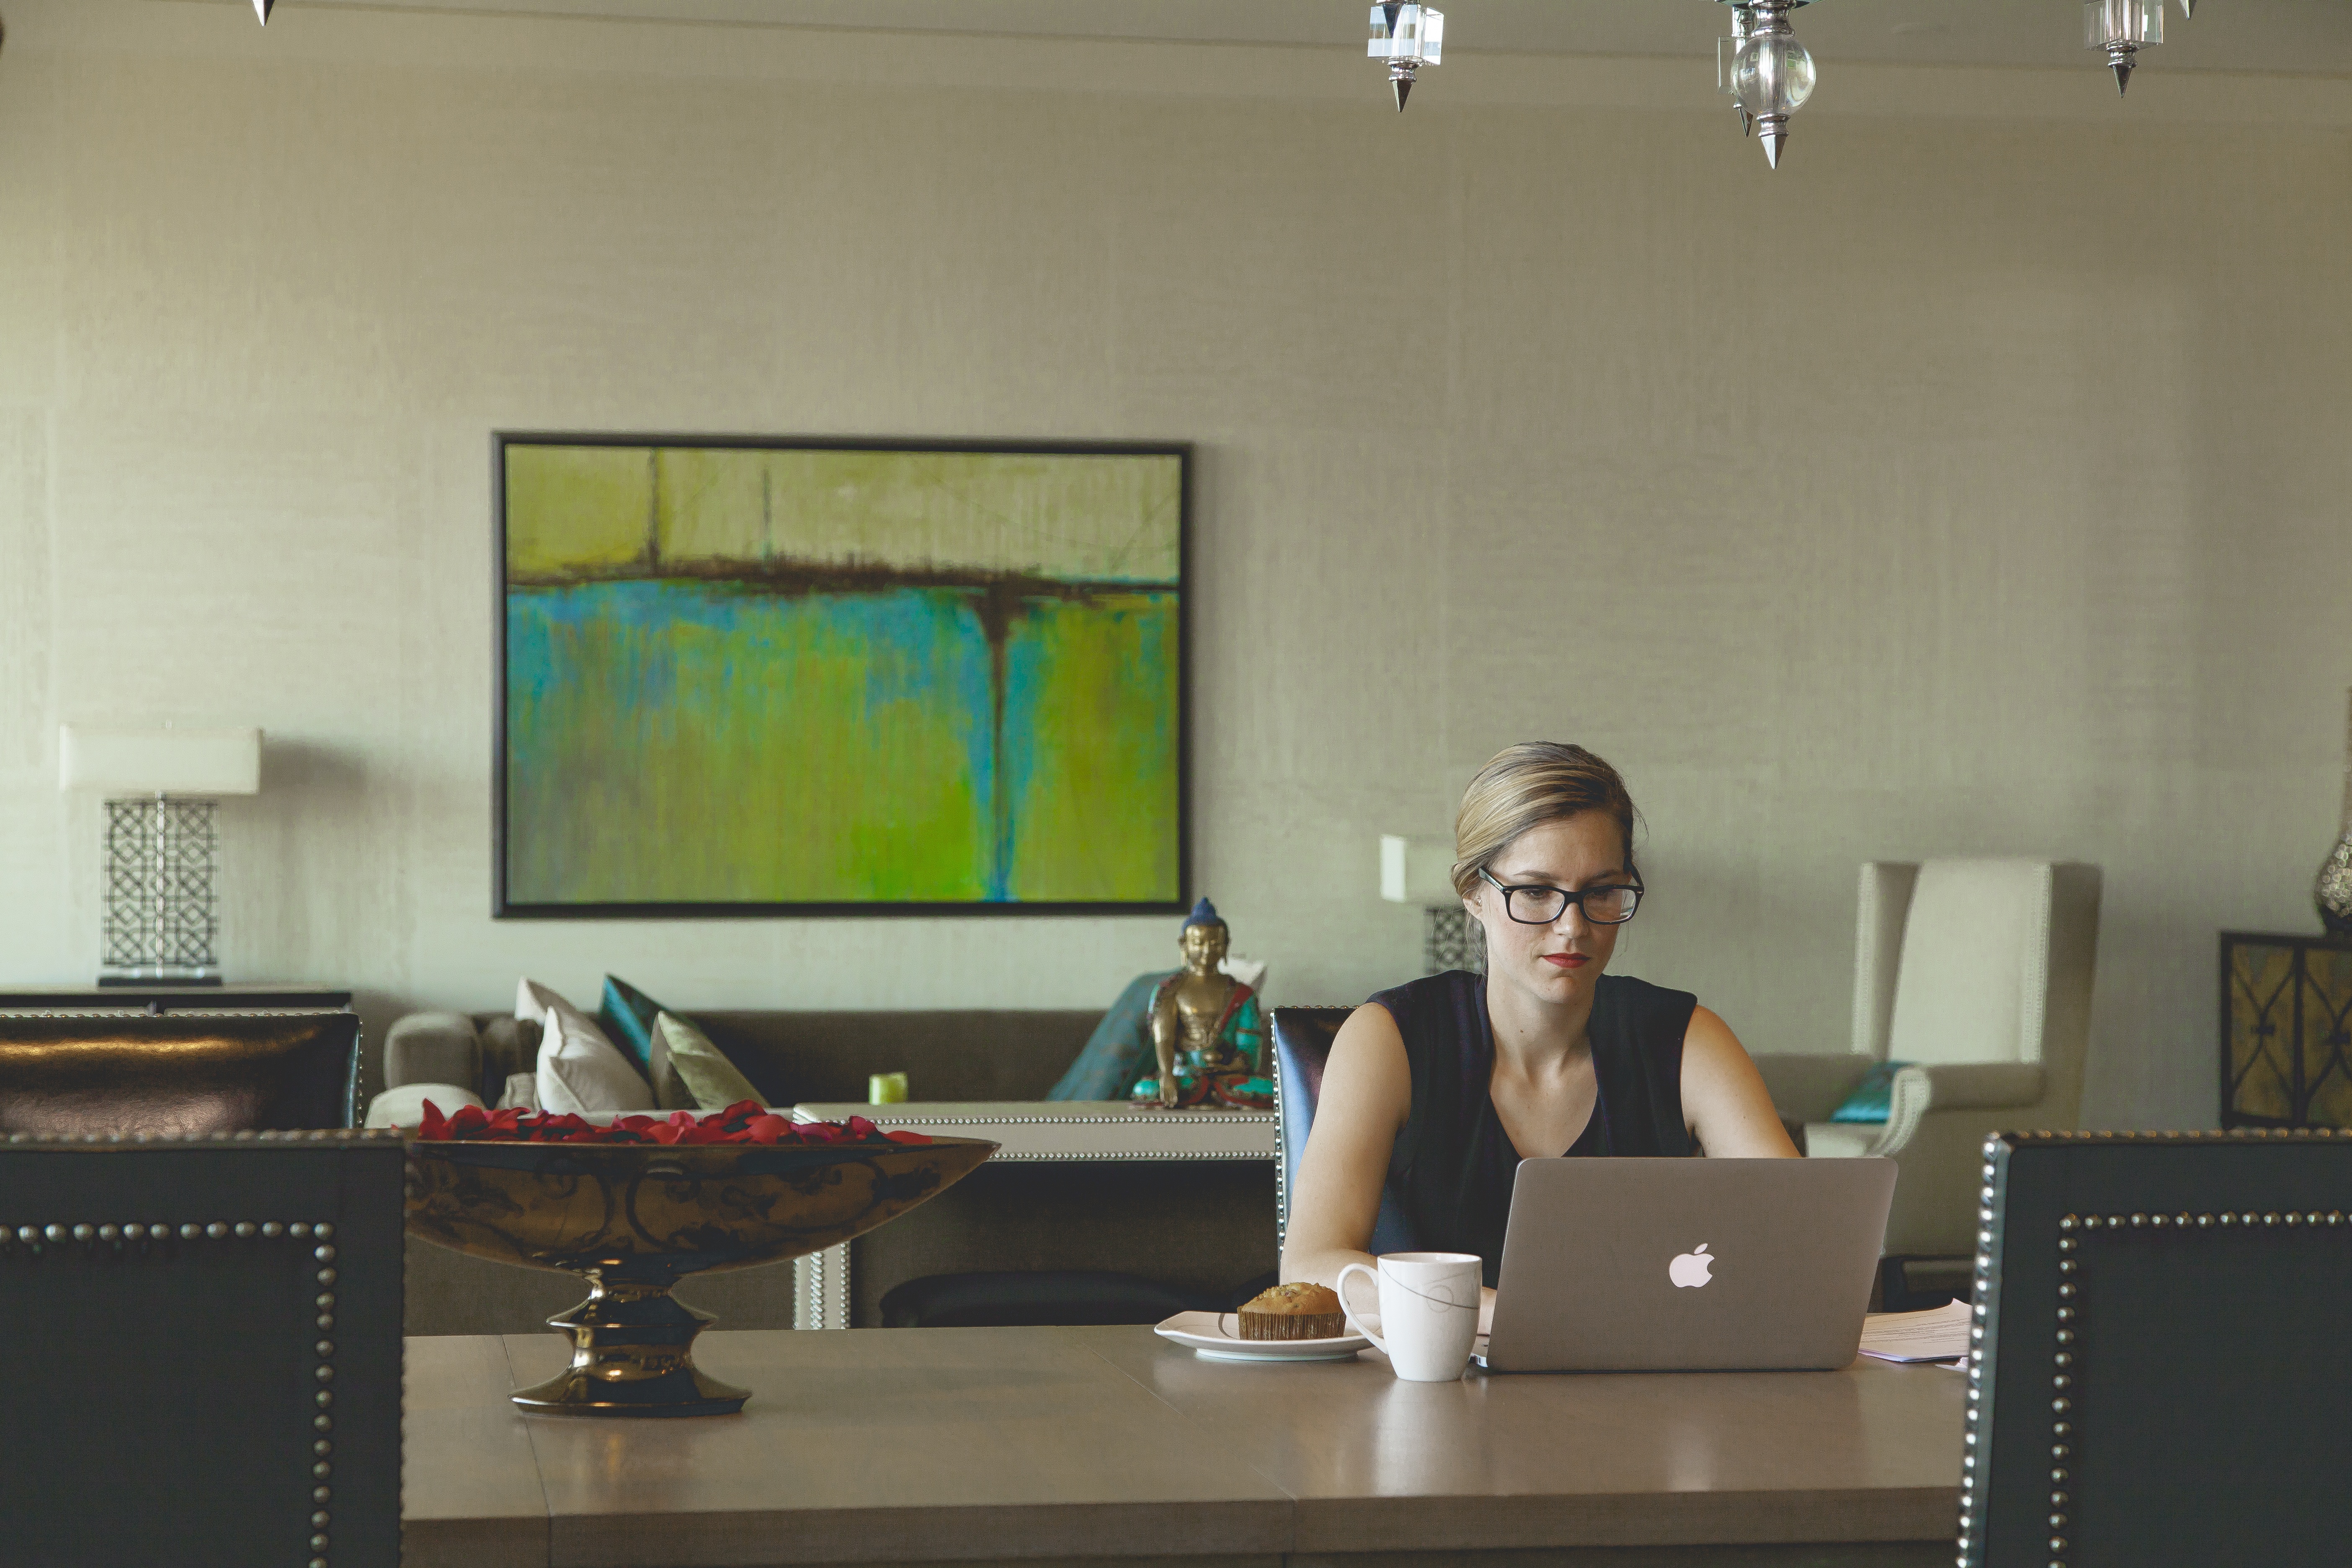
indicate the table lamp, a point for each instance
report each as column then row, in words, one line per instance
column 162, row 846
column 1421, row 871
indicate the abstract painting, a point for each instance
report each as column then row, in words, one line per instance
column 767, row 676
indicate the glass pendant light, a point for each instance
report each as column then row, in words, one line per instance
column 1408, row 37
column 2121, row 28
column 1772, row 73
column 1727, row 50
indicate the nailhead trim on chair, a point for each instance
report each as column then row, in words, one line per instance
column 36, row 1241
column 249, row 1135
column 2071, row 1329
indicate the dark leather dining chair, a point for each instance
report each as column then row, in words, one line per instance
column 202, row 1365
column 1302, row 1046
column 2158, row 1374
column 176, row 1075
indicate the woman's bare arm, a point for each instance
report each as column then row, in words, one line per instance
column 1367, row 1094
column 1724, row 1101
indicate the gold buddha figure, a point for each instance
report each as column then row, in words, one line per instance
column 1206, row 1029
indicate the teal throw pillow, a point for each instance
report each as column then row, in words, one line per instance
column 1119, row 1050
column 627, row 1015
column 1871, row 1097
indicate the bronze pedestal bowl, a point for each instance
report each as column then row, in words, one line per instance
column 633, row 1218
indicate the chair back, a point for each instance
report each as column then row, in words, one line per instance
column 202, row 1360
column 1302, row 1047
column 1978, row 961
column 2161, row 1376
column 176, row 1075
column 1976, row 947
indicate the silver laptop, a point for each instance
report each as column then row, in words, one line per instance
column 1688, row 1265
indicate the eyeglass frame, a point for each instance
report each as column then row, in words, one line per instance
column 1572, row 898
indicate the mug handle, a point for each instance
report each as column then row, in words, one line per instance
column 1348, row 1313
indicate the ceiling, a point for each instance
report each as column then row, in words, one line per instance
column 2296, row 36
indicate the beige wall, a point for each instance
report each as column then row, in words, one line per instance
column 1974, row 484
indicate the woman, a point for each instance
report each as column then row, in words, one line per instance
column 1436, row 1090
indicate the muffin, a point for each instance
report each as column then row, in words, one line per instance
column 1299, row 1311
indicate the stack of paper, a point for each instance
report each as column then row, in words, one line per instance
column 1941, row 1334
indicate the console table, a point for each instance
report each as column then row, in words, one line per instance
column 1145, row 1181
column 174, row 998
column 1010, row 1446
column 2286, row 1030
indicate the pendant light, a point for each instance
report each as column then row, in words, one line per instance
column 1772, row 73
column 1727, row 50
column 261, row 9
column 2122, row 27
column 1408, row 37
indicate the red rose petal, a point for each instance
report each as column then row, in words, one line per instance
column 745, row 1121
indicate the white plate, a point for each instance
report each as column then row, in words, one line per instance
column 1216, row 1336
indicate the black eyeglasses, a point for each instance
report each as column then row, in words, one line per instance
column 1537, row 904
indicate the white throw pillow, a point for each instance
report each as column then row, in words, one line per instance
column 1250, row 971
column 403, row 1106
column 579, row 1070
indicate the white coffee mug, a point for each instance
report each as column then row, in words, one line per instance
column 1429, row 1311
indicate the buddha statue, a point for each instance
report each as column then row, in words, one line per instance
column 1207, row 1029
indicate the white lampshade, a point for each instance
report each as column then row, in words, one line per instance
column 1417, row 870
column 159, row 760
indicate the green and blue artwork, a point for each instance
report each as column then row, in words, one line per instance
column 740, row 675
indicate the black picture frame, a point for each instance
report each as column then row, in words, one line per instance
column 505, row 906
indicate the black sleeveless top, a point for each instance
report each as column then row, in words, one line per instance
column 1454, row 1165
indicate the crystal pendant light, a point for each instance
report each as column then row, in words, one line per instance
column 1408, row 37
column 261, row 9
column 1727, row 51
column 2121, row 28
column 1772, row 73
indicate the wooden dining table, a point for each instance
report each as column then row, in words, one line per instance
column 1111, row 1446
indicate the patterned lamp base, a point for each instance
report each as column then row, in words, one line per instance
column 1454, row 941
column 162, row 913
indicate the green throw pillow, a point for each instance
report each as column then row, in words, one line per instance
column 1871, row 1097
column 702, row 1068
column 627, row 1015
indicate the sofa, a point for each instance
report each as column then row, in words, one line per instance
column 947, row 1054
column 1191, row 1226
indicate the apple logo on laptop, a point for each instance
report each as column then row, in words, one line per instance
column 1689, row 1270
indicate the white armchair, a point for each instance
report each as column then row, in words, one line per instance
column 1977, row 973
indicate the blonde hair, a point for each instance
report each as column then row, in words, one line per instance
column 1524, row 785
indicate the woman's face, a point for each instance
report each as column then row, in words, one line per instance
column 1556, row 963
